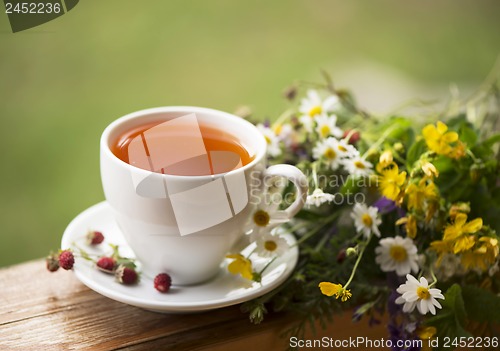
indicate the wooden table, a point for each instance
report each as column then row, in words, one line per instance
column 40, row 310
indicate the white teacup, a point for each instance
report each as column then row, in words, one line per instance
column 185, row 225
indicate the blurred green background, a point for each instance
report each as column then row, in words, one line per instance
column 63, row 82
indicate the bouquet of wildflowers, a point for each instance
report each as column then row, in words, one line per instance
column 402, row 216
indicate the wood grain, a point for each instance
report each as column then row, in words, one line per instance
column 40, row 310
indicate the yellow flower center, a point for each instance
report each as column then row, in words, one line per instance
column 423, row 293
column 342, row 148
column 270, row 245
column 278, row 128
column 398, row 253
column 268, row 139
column 324, row 131
column 261, row 218
column 367, row 220
column 359, row 165
column 316, row 110
column 330, row 153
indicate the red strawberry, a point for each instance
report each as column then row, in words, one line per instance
column 126, row 275
column 106, row 264
column 94, row 237
column 162, row 282
column 353, row 138
column 66, row 259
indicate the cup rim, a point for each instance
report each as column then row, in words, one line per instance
column 105, row 147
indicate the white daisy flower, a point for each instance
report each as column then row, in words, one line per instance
column 313, row 106
column 266, row 214
column 269, row 245
column 346, row 150
column 327, row 125
column 357, row 166
column 272, row 140
column 366, row 219
column 416, row 293
column 318, row 197
column 327, row 150
column 285, row 133
column 397, row 254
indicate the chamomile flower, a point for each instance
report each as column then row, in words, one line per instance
column 272, row 140
column 313, row 106
column 266, row 214
column 327, row 126
column 397, row 254
column 282, row 130
column 416, row 293
column 318, row 197
column 357, row 166
column 269, row 245
column 346, row 150
column 366, row 219
column 327, row 150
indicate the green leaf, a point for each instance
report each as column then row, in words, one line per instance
column 350, row 186
column 309, row 215
column 449, row 321
column 467, row 134
column 455, row 301
column 481, row 305
column 456, row 122
column 127, row 262
column 416, row 150
column 491, row 141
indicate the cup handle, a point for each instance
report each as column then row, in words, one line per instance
column 298, row 178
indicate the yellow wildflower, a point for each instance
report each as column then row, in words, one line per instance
column 391, row 182
column 438, row 138
column 429, row 169
column 458, row 151
column 483, row 256
column 442, row 247
column 330, row 289
column 460, row 231
column 426, row 333
column 432, row 207
column 240, row 265
column 459, row 207
column 419, row 194
column 410, row 225
column 386, row 158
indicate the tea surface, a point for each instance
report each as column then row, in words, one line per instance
column 181, row 146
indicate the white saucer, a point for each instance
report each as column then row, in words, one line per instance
column 223, row 290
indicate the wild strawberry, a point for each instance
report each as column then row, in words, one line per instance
column 52, row 262
column 162, row 282
column 126, row 275
column 353, row 138
column 66, row 259
column 106, row 264
column 94, row 237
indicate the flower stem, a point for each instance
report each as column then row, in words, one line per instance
column 318, row 228
column 250, row 254
column 285, row 115
column 268, row 264
column 434, row 278
column 315, row 175
column 379, row 142
column 353, row 273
